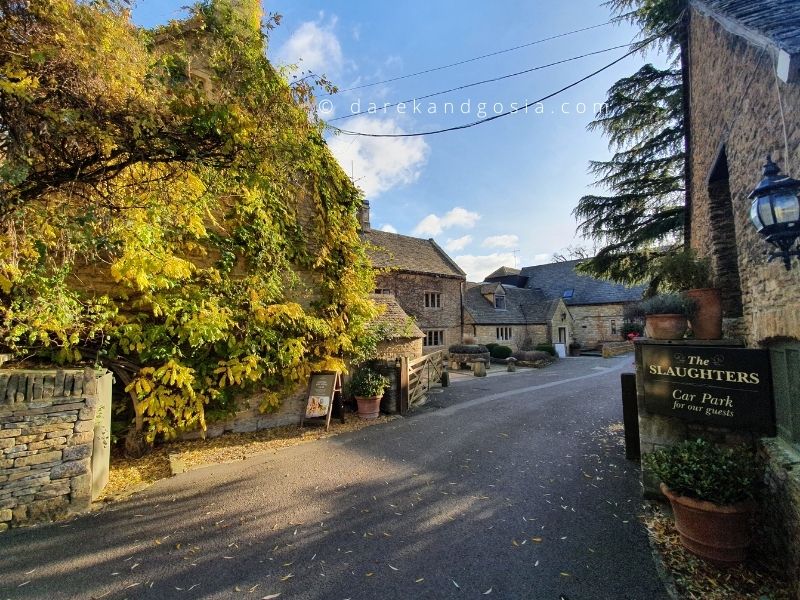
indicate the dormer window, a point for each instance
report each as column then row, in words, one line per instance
column 568, row 294
column 499, row 302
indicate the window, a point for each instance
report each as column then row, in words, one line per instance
column 503, row 333
column 568, row 293
column 613, row 327
column 434, row 337
column 385, row 291
column 500, row 302
column 433, row 300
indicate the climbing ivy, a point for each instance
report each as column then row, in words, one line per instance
column 170, row 209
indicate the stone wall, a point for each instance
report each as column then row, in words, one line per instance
column 611, row 349
column 409, row 290
column 592, row 323
column 735, row 122
column 407, row 347
column 47, row 424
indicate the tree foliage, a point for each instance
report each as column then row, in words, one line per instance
column 642, row 214
column 170, row 208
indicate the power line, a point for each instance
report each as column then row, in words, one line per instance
column 499, row 115
column 481, row 57
column 469, row 85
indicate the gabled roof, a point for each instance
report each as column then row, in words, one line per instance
column 522, row 306
column 414, row 255
column 502, row 272
column 775, row 20
column 555, row 278
column 400, row 325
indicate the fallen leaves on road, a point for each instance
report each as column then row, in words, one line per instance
column 129, row 475
column 697, row 579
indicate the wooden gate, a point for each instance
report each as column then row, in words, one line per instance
column 417, row 376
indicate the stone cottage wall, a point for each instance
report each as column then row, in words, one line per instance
column 740, row 114
column 487, row 334
column 47, row 422
column 735, row 121
column 409, row 290
column 591, row 324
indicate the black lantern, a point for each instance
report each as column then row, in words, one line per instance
column 775, row 212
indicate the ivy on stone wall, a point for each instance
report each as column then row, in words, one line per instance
column 170, row 209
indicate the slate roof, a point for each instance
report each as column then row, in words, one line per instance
column 405, row 253
column 522, row 306
column 400, row 324
column 554, row 278
column 777, row 20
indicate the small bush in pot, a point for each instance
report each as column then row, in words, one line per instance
column 368, row 386
column 666, row 315
column 711, row 491
column 685, row 272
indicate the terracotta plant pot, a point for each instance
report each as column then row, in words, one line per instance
column 665, row 327
column 369, row 408
column 707, row 320
column 711, row 531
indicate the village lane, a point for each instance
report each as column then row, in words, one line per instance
column 511, row 486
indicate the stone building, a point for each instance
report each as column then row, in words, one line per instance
column 595, row 306
column 513, row 316
column 743, row 88
column 426, row 282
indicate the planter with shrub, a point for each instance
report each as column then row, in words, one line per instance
column 500, row 352
column 711, row 491
column 549, row 348
column 533, row 358
column 684, row 272
column 666, row 316
column 464, row 354
column 368, row 386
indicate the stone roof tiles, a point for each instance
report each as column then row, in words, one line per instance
column 406, row 253
column 555, row 279
column 776, row 20
column 522, row 306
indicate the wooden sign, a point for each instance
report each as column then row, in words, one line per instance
column 725, row 387
column 322, row 389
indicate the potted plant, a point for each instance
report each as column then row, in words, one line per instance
column 666, row 315
column 368, row 386
column 711, row 491
column 685, row 272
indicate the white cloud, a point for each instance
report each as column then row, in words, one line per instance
column 314, row 47
column 478, row 267
column 540, row 259
column 454, row 245
column 501, row 241
column 379, row 164
column 388, row 228
column 457, row 217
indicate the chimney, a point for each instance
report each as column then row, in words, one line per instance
column 363, row 217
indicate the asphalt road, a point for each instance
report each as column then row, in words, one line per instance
column 506, row 487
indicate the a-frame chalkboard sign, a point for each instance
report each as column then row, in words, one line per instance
column 322, row 390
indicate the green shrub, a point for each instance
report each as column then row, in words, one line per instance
column 467, row 349
column 702, row 470
column 549, row 348
column 490, row 347
column 499, row 351
column 368, row 383
column 682, row 271
column 668, row 304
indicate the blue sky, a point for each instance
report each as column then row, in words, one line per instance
column 482, row 193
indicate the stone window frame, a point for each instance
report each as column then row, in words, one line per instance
column 614, row 327
column 504, row 333
column 432, row 336
column 384, row 291
column 432, row 300
column 500, row 302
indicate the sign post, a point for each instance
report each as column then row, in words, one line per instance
column 322, row 389
column 719, row 386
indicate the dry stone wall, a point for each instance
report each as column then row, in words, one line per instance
column 47, row 422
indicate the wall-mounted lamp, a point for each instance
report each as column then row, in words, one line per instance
column 775, row 212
